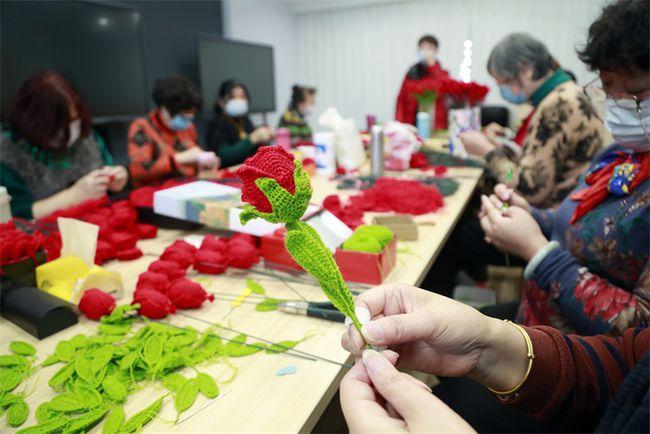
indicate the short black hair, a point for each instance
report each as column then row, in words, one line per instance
column 430, row 39
column 299, row 94
column 620, row 38
column 226, row 88
column 176, row 93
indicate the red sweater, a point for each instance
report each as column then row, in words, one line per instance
column 574, row 377
column 407, row 104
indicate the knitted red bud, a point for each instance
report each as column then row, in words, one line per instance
column 209, row 262
column 241, row 254
column 146, row 231
column 183, row 258
column 171, row 269
column 129, row 254
column 95, row 303
column 153, row 304
column 123, row 240
column 157, row 281
column 216, row 244
column 186, row 294
column 182, row 245
column 105, row 252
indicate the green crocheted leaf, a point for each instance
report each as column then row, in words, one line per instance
column 249, row 213
column 306, row 247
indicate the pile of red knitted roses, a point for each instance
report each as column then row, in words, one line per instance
column 16, row 245
column 164, row 287
column 119, row 229
column 419, row 161
column 387, row 195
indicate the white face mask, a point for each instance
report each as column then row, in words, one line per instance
column 426, row 55
column 237, row 107
column 74, row 132
column 624, row 122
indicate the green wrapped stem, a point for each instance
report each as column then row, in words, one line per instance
column 307, row 248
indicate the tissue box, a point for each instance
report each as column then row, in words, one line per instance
column 211, row 204
column 361, row 267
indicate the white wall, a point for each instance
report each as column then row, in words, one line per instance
column 357, row 56
column 270, row 22
column 356, row 52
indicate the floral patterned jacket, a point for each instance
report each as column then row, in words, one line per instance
column 563, row 136
column 598, row 280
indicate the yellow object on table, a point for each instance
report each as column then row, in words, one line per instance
column 69, row 276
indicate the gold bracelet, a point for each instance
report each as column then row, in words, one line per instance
column 530, row 355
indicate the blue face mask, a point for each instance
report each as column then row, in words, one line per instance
column 514, row 98
column 180, row 122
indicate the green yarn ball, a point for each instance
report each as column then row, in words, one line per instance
column 362, row 243
column 378, row 232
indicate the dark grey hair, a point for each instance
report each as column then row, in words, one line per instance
column 516, row 50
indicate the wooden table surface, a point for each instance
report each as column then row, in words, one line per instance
column 257, row 400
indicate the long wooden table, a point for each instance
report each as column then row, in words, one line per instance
column 257, row 400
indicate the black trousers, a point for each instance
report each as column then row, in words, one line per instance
column 466, row 249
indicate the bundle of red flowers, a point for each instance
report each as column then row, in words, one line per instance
column 388, row 194
column 470, row 94
column 16, row 245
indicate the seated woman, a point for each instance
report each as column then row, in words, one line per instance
column 50, row 158
column 232, row 135
column 301, row 105
column 574, row 383
column 589, row 260
column 561, row 135
column 164, row 144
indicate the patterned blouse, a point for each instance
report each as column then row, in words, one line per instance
column 598, row 279
column 563, row 135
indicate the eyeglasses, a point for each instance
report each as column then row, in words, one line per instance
column 623, row 99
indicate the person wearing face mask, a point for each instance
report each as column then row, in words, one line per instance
column 563, row 123
column 232, row 135
column 50, row 158
column 294, row 119
column 164, row 144
column 588, row 260
column 427, row 69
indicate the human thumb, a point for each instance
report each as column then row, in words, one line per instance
column 395, row 330
column 403, row 392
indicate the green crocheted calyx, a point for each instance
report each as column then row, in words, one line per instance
column 287, row 207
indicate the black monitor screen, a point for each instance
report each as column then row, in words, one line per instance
column 96, row 46
column 222, row 59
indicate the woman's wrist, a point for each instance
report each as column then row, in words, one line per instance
column 503, row 361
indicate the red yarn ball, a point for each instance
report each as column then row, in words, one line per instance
column 153, row 304
column 157, row 281
column 95, row 303
column 186, row 294
column 171, row 269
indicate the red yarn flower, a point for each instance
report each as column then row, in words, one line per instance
column 171, row 269
column 153, row 304
column 186, row 294
column 268, row 162
column 95, row 303
column 208, row 261
column 152, row 280
column 242, row 254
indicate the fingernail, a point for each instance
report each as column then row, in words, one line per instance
column 347, row 321
column 374, row 361
column 363, row 314
column 373, row 331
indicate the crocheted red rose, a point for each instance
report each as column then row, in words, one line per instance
column 268, row 162
column 146, row 231
column 418, row 160
column 242, row 254
column 153, row 304
column 123, row 240
column 95, row 303
column 210, row 242
column 129, row 254
column 157, row 281
column 182, row 245
column 182, row 257
column 250, row 239
column 142, row 197
column 208, row 261
column 171, row 269
column 105, row 252
column 186, row 294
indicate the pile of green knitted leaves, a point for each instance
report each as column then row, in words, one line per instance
column 369, row 239
column 97, row 373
